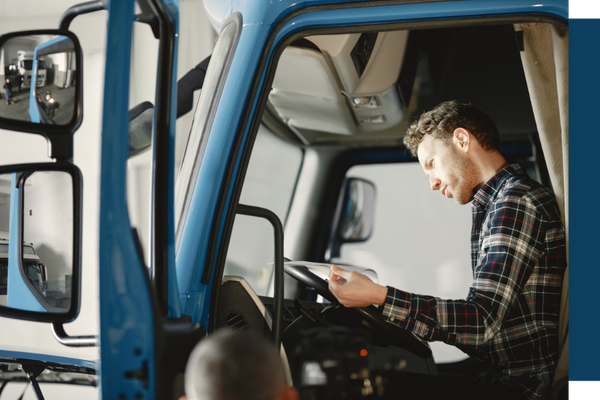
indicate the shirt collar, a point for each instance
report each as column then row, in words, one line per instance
column 487, row 193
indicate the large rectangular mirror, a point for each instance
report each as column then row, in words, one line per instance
column 40, row 228
column 40, row 73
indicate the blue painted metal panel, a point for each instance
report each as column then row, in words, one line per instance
column 126, row 312
column 419, row 12
column 268, row 12
column 19, row 295
column 34, row 111
column 50, row 358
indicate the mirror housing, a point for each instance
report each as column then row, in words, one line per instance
column 354, row 215
column 41, row 211
column 42, row 93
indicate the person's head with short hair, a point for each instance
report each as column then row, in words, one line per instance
column 236, row 365
column 445, row 118
column 458, row 146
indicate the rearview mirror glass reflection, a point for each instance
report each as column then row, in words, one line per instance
column 38, row 75
column 36, row 241
column 358, row 210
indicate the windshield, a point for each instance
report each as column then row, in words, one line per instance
column 34, row 271
column 26, row 250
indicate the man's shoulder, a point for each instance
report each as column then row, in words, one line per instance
column 525, row 186
column 523, row 189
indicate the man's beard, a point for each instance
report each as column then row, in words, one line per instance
column 464, row 177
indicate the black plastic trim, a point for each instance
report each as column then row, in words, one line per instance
column 80, row 9
column 270, row 216
column 188, row 84
column 162, row 179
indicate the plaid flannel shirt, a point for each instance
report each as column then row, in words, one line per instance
column 510, row 316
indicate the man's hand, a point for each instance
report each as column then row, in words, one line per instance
column 353, row 289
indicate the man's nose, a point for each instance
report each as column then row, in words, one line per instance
column 434, row 183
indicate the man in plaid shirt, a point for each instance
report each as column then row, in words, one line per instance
column 518, row 256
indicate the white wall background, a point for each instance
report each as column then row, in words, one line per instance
column 421, row 241
column 48, row 223
column 196, row 39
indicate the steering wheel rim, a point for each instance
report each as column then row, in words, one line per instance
column 396, row 335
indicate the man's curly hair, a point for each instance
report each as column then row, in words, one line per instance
column 448, row 116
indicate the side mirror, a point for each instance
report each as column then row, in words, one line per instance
column 141, row 119
column 40, row 241
column 354, row 215
column 41, row 75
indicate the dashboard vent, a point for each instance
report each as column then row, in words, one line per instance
column 237, row 322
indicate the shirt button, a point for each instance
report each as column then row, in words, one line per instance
column 392, row 319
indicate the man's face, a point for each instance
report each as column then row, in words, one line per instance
column 450, row 170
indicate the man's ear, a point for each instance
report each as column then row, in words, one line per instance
column 462, row 139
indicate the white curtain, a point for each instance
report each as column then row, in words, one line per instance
column 545, row 62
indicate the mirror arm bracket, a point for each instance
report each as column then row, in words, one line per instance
column 61, row 147
column 80, row 9
column 72, row 341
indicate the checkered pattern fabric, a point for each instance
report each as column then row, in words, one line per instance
column 510, row 316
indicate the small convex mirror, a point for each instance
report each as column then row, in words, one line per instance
column 354, row 215
column 40, row 75
column 39, row 242
column 358, row 209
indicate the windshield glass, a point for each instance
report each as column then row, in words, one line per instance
column 270, row 183
column 26, row 250
column 34, row 272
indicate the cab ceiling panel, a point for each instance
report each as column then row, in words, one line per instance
column 340, row 84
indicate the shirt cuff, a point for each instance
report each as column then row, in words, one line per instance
column 397, row 305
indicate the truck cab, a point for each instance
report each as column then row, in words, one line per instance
column 25, row 67
column 294, row 160
column 36, row 271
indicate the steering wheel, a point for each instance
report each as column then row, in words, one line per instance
column 370, row 316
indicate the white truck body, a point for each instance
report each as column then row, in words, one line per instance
column 30, row 259
column 25, row 64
